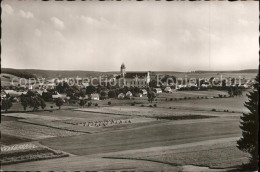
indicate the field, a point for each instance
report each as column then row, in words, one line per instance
column 176, row 135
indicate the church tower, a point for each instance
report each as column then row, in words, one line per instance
column 123, row 70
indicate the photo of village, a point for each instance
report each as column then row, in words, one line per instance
column 114, row 115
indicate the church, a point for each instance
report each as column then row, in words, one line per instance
column 133, row 79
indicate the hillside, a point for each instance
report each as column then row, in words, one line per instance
column 53, row 73
column 29, row 73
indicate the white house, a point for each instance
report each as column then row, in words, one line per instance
column 14, row 93
column 58, row 95
column 144, row 91
column 138, row 95
column 94, row 96
column 121, row 96
column 158, row 90
column 129, row 94
column 168, row 90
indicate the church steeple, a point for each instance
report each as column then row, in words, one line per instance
column 123, row 70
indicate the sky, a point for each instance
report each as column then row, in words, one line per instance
column 148, row 35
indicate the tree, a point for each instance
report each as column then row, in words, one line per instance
column 42, row 103
column 90, row 89
column 59, row 102
column 6, row 104
column 112, row 94
column 151, row 96
column 82, row 102
column 47, row 96
column 32, row 100
column 153, row 84
column 25, row 102
column 103, row 95
column 250, row 125
column 35, row 102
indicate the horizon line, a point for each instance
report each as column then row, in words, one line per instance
column 131, row 70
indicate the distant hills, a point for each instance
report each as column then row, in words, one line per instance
column 230, row 71
column 29, row 73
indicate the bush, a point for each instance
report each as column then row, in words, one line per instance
column 89, row 104
column 155, row 100
column 185, row 98
column 175, row 99
column 51, row 107
column 214, row 110
column 133, row 104
column 155, row 105
column 109, row 103
column 150, row 106
column 206, row 97
column 198, row 97
column 170, row 107
column 225, row 96
column 171, row 99
column 189, row 98
column 142, row 105
column 166, row 99
column 96, row 104
column 220, row 96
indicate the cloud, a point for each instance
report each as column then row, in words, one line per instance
column 98, row 23
column 8, row 9
column 27, row 14
column 37, row 32
column 57, row 23
column 88, row 20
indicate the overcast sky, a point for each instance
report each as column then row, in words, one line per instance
column 156, row 36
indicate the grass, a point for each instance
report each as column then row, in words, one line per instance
column 219, row 156
column 13, row 157
column 185, row 117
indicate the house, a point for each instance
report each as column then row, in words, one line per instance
column 133, row 79
column 144, row 92
column 13, row 93
column 168, row 90
column 121, row 96
column 58, row 95
column 84, row 98
column 40, row 92
column 138, row 95
column 129, row 94
column 158, row 90
column 3, row 94
column 94, row 96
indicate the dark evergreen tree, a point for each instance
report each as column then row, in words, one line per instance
column 250, row 125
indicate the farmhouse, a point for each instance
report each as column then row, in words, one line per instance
column 144, row 91
column 158, row 90
column 58, row 95
column 168, row 90
column 133, row 79
column 121, row 96
column 94, row 96
column 129, row 94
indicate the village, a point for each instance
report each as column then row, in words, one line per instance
column 126, row 85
